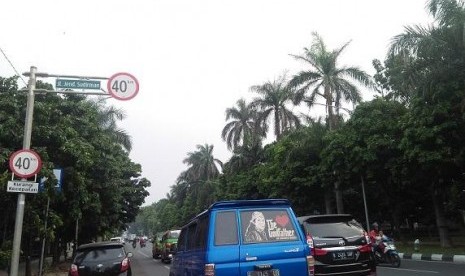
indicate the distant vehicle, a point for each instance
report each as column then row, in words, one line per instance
column 243, row 238
column 118, row 239
column 101, row 258
column 132, row 237
column 156, row 246
column 339, row 245
column 168, row 242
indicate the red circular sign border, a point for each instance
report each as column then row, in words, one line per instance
column 21, row 151
column 125, row 74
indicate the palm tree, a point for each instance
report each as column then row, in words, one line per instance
column 243, row 129
column 107, row 119
column 327, row 80
column 202, row 164
column 436, row 60
column 273, row 99
column 244, row 158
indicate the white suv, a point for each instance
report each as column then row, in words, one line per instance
column 117, row 239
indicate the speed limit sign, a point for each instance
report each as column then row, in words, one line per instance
column 25, row 163
column 123, row 86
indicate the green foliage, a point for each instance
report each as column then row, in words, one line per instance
column 102, row 188
column 405, row 146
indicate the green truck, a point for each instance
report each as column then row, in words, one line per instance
column 168, row 243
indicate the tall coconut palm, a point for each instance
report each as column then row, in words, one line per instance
column 243, row 129
column 202, row 164
column 325, row 79
column 274, row 98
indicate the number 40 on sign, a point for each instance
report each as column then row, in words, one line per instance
column 123, row 86
column 25, row 163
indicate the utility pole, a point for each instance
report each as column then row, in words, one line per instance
column 21, row 196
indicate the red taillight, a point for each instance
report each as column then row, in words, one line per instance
column 311, row 265
column 320, row 252
column 209, row 269
column 367, row 237
column 125, row 265
column 73, row 271
column 365, row 248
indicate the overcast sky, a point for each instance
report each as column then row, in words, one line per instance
column 193, row 59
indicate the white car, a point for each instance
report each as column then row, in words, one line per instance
column 117, row 239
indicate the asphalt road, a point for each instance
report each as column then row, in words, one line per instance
column 144, row 265
column 423, row 268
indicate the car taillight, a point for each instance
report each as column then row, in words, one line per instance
column 73, row 271
column 311, row 265
column 365, row 248
column 209, row 269
column 124, row 264
column 367, row 238
column 320, row 252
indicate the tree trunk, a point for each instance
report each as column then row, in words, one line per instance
column 56, row 252
column 339, row 201
column 277, row 128
column 440, row 219
column 328, row 201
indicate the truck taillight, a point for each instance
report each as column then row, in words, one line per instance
column 310, row 244
column 73, row 271
column 209, row 269
column 311, row 265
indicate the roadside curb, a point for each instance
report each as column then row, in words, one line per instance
column 433, row 257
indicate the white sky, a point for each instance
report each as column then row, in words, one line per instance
column 193, row 59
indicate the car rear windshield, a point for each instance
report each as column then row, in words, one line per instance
column 174, row 234
column 267, row 226
column 333, row 229
column 99, row 254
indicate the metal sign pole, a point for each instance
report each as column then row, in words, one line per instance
column 42, row 252
column 22, row 197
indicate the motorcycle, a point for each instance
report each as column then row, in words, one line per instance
column 134, row 244
column 142, row 243
column 387, row 254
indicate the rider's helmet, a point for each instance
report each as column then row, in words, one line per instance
column 375, row 225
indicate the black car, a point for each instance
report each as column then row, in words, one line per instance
column 101, row 258
column 339, row 245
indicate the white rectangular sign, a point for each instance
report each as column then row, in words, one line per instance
column 23, row 187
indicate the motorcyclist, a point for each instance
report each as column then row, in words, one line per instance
column 134, row 243
column 142, row 242
column 376, row 238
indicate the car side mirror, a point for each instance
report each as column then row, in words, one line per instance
column 129, row 254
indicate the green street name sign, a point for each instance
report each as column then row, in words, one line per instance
column 77, row 84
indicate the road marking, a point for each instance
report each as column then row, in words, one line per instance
column 167, row 267
column 140, row 252
column 413, row 270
